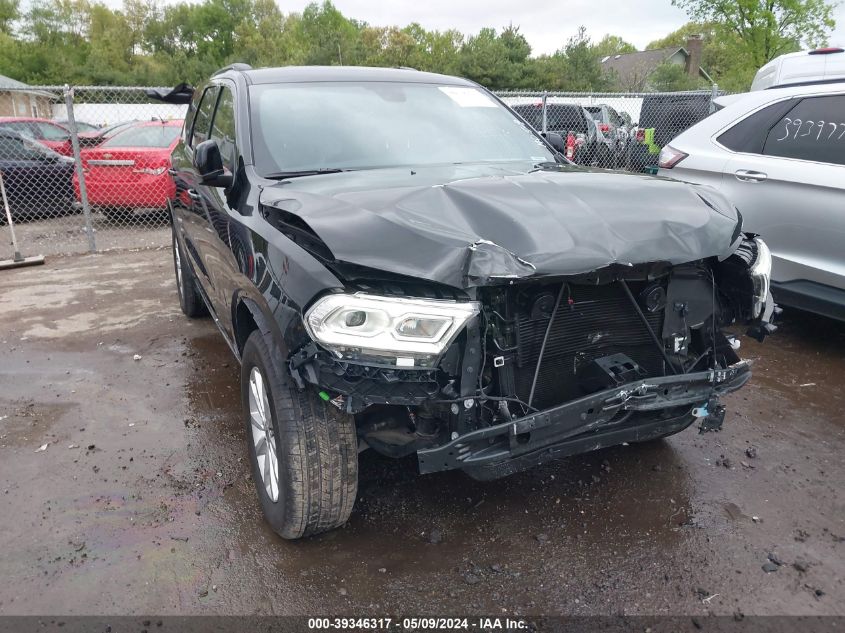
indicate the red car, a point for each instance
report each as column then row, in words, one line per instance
column 47, row 132
column 129, row 170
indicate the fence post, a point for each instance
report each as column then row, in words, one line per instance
column 77, row 157
column 714, row 92
column 545, row 113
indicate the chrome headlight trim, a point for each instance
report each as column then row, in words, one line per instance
column 761, row 275
column 410, row 332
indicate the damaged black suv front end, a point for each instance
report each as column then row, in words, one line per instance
column 401, row 263
column 504, row 375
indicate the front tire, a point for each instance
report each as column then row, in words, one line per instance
column 303, row 451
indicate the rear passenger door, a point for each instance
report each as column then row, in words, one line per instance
column 194, row 223
column 789, row 187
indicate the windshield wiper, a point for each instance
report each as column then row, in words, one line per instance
column 281, row 175
column 548, row 166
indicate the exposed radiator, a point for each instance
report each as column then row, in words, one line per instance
column 598, row 321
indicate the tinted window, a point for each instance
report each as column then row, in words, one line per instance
column 750, row 134
column 51, row 132
column 533, row 114
column 21, row 127
column 345, row 125
column 558, row 117
column 12, row 149
column 567, row 118
column 223, row 128
column 202, row 120
column 144, row 136
column 813, row 130
column 596, row 113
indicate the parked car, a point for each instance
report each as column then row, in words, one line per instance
column 37, row 179
column 94, row 138
column 613, row 131
column 779, row 155
column 46, row 132
column 565, row 119
column 81, row 126
column 802, row 68
column 662, row 118
column 129, row 171
column 400, row 264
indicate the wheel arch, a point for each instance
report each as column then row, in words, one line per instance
column 249, row 315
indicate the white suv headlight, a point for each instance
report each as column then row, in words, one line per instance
column 761, row 273
column 405, row 332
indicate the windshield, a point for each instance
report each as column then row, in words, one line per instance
column 596, row 113
column 145, row 136
column 298, row 127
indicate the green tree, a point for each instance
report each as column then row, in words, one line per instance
column 495, row 61
column 8, row 14
column 583, row 71
column 672, row 77
column 329, row 38
column 612, row 45
column 721, row 54
column 760, row 30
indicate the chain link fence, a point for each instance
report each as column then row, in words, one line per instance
column 613, row 130
column 86, row 168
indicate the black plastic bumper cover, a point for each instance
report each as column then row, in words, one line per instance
column 594, row 421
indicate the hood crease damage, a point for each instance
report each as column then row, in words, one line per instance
column 483, row 228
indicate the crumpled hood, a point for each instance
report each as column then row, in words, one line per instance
column 473, row 225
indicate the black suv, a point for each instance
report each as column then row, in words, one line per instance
column 402, row 264
column 563, row 118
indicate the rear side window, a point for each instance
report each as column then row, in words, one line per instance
column 202, row 120
column 749, row 135
column 223, row 128
column 566, row 119
column 813, row 130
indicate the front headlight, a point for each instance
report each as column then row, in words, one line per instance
column 761, row 273
column 404, row 332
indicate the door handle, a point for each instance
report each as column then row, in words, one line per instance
column 748, row 175
column 193, row 195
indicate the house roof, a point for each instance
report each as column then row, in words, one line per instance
column 7, row 83
column 634, row 67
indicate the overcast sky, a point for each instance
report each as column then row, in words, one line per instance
column 546, row 24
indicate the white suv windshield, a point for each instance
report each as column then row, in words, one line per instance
column 343, row 125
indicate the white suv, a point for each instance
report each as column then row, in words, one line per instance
column 779, row 156
column 802, row 68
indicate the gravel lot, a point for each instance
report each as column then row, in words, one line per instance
column 66, row 235
column 141, row 501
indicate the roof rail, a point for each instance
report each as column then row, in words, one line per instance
column 235, row 66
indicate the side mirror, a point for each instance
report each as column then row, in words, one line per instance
column 555, row 140
column 209, row 165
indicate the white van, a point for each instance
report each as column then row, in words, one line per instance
column 806, row 67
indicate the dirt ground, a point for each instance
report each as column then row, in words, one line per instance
column 141, row 501
column 66, row 235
